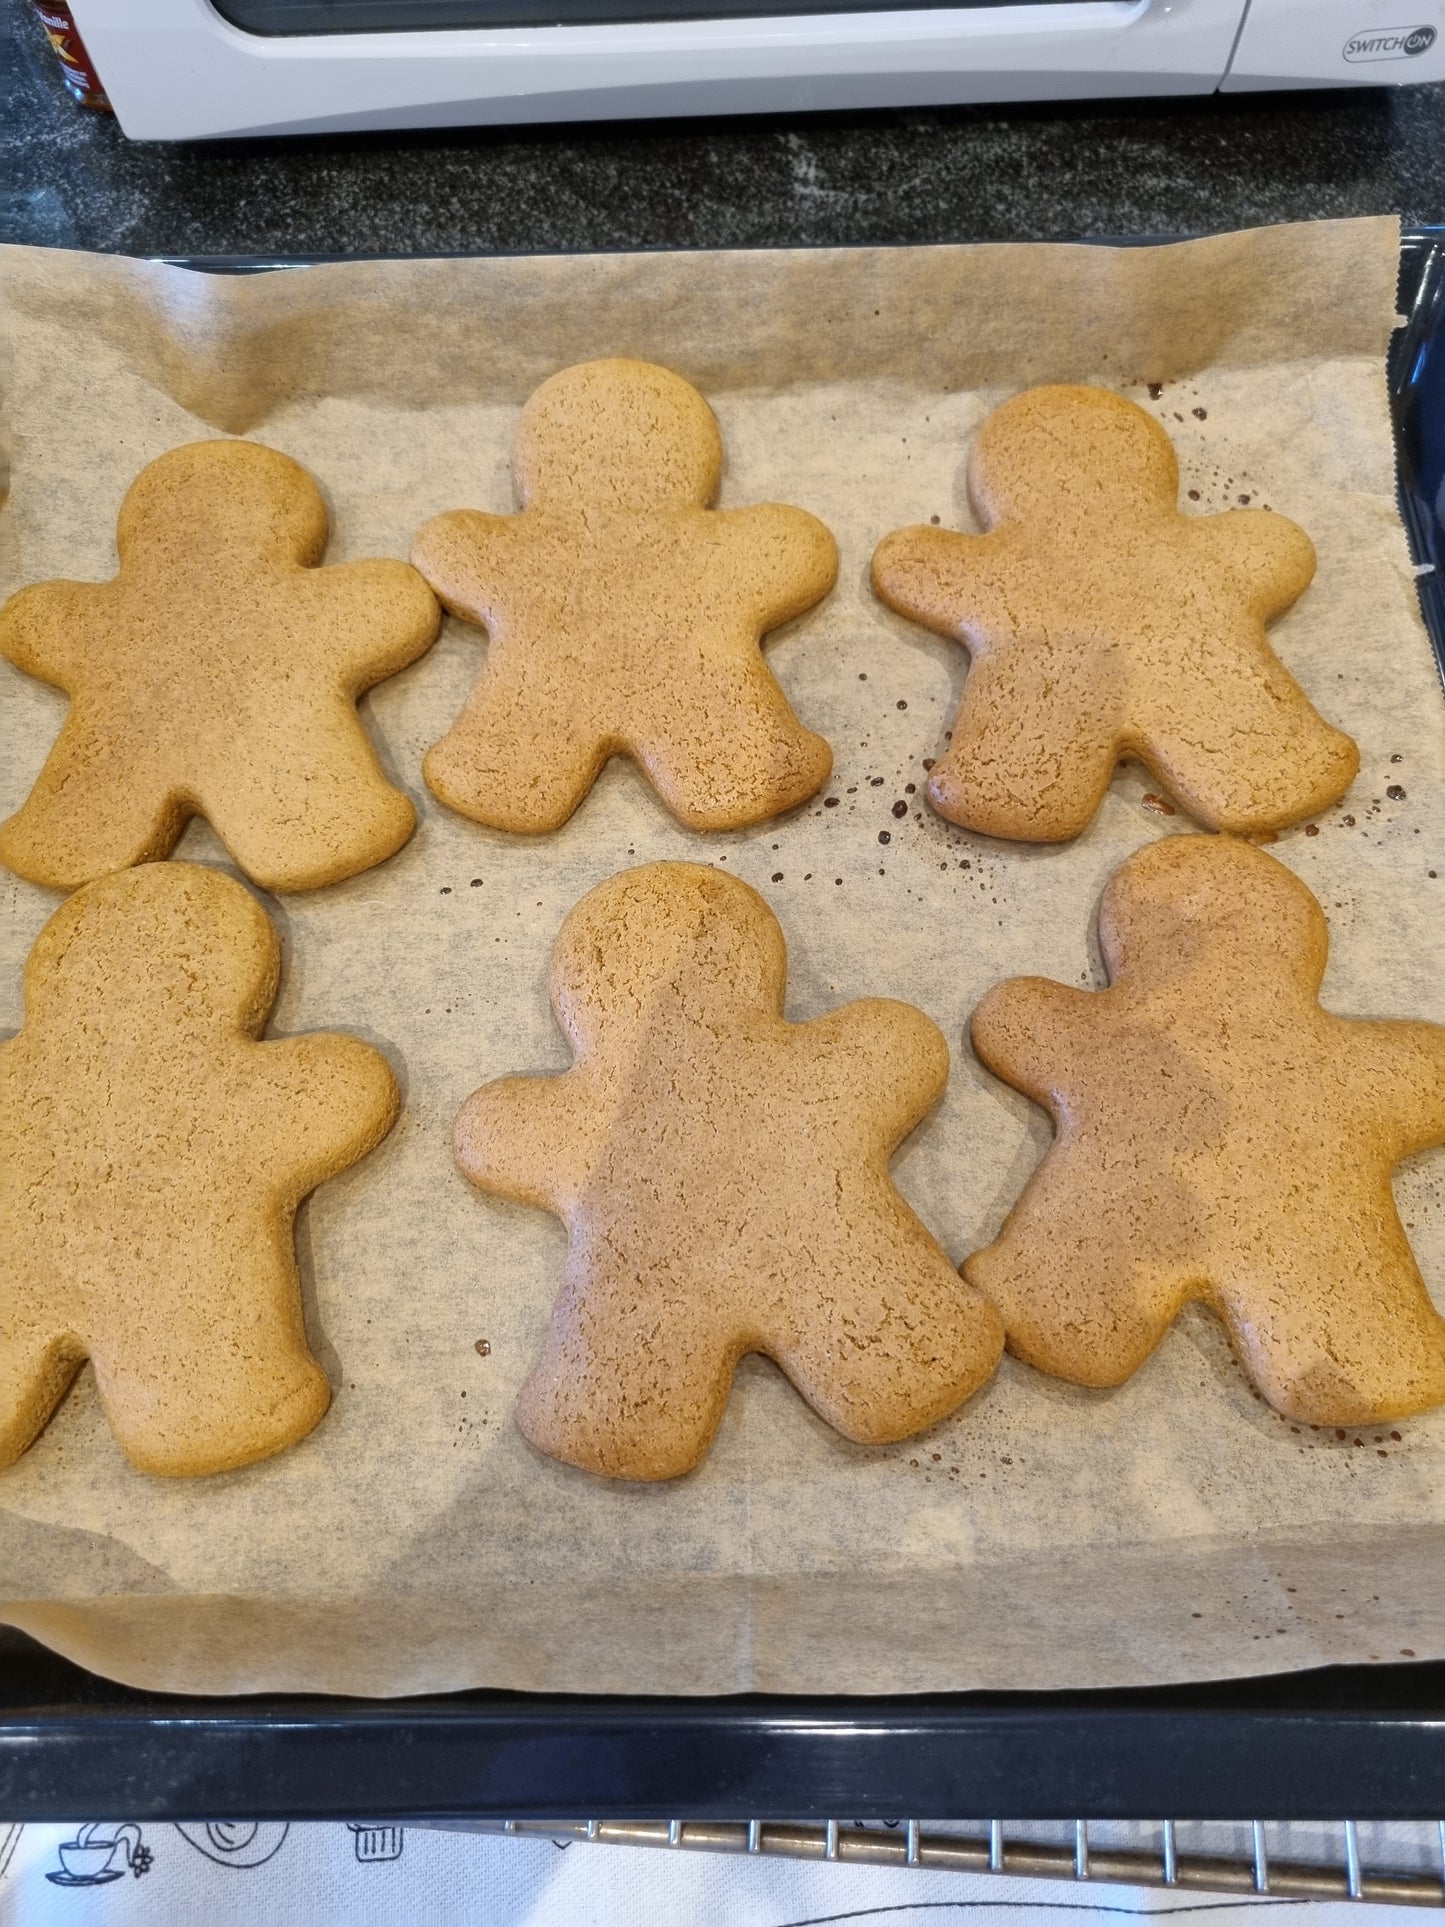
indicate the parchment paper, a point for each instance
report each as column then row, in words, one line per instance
column 1046, row 1535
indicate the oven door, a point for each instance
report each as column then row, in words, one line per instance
column 186, row 69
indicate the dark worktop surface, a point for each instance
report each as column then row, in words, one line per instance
column 949, row 174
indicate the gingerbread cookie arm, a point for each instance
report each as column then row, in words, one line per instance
column 1041, row 1037
column 383, row 614
column 1401, row 1074
column 470, row 559
column 98, row 805
column 328, row 1100
column 526, row 1138
column 882, row 1059
column 787, row 560
column 957, row 585
column 43, row 628
column 1270, row 558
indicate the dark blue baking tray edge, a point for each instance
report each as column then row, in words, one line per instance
column 1362, row 1742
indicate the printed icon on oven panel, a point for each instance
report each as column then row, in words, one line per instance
column 99, row 1853
column 235, row 1843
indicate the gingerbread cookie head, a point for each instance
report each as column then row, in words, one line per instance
column 624, row 616
column 1222, row 1138
column 699, row 946
column 216, row 502
column 724, row 1178
column 152, row 1155
column 1177, row 903
column 217, row 675
column 1105, row 624
column 1043, row 456
column 618, row 434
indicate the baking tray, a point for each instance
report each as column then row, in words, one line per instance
column 1341, row 1743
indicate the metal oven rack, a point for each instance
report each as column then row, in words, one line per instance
column 1344, row 1745
column 911, row 1843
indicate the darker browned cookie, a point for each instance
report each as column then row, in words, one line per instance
column 1104, row 624
column 1219, row 1137
column 724, row 1177
column 217, row 676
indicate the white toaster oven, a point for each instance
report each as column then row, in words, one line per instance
column 185, row 69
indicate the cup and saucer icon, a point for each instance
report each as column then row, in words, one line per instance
column 99, row 1854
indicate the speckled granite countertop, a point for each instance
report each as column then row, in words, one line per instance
column 962, row 174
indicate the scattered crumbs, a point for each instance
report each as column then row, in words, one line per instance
column 1200, row 414
column 446, row 890
column 1244, row 500
column 1407, row 1652
column 1348, row 821
column 830, row 802
column 1156, row 389
column 1396, row 793
column 476, row 883
column 862, row 675
column 910, row 789
column 928, row 762
column 884, row 836
column 900, row 808
column 1194, row 495
column 483, row 1348
column 1397, row 757
column 934, row 520
column 1312, row 829
column 900, row 704
column 837, row 879
column 1157, row 804
column 875, row 782
column 853, row 790
column 1397, row 1437
column 964, row 864
column 777, row 876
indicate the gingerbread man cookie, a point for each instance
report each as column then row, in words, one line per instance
column 625, row 617
column 1104, row 624
column 1219, row 1137
column 724, row 1178
column 154, row 1154
column 216, row 675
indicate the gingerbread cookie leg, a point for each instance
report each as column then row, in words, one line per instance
column 92, row 810
column 1240, row 778
column 220, row 1387
column 1337, row 1329
column 734, row 753
column 587, row 1403
column 298, row 816
column 518, row 757
column 1033, row 749
column 36, row 1370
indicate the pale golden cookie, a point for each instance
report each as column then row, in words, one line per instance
column 1104, row 624
column 724, row 1178
column 216, row 675
column 154, row 1154
column 1219, row 1137
column 624, row 616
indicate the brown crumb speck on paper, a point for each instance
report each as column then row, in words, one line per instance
column 1396, row 793
column 1159, row 805
column 1156, row 389
column 900, row 808
column 1312, row 829
column 483, row 1348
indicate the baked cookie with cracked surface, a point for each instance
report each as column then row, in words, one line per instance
column 154, row 1154
column 1219, row 1137
column 724, row 1178
column 1103, row 624
column 217, row 675
column 624, row 616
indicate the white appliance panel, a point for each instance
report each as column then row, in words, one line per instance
column 175, row 70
